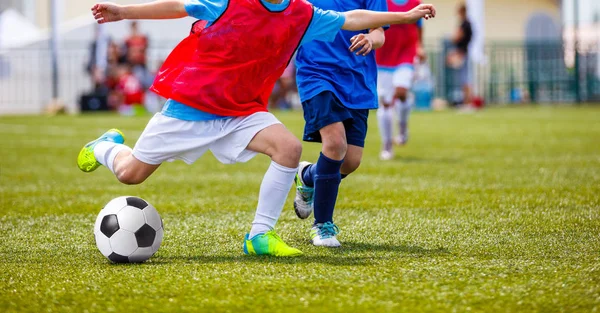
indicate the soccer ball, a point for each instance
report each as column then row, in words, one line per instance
column 128, row 230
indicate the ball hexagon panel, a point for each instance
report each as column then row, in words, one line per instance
column 117, row 258
column 114, row 206
column 141, row 255
column 137, row 202
column 109, row 225
column 158, row 239
column 152, row 217
column 123, row 242
column 145, row 236
column 103, row 243
column 131, row 218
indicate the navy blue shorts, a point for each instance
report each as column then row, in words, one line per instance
column 325, row 109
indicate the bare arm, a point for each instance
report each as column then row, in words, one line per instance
column 166, row 9
column 420, row 50
column 364, row 19
column 378, row 37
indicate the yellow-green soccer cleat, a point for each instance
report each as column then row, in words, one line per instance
column 268, row 244
column 86, row 161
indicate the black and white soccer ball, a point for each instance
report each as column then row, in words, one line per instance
column 128, row 230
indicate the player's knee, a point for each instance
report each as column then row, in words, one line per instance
column 288, row 149
column 335, row 147
column 401, row 93
column 129, row 177
column 294, row 148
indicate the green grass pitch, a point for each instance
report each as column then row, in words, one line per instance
column 497, row 211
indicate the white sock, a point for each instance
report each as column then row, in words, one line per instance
column 106, row 152
column 385, row 117
column 273, row 191
column 404, row 113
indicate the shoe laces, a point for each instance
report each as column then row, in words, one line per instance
column 328, row 230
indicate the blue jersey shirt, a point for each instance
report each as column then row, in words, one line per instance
column 323, row 26
column 330, row 66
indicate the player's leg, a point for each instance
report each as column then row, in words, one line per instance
column 109, row 150
column 327, row 115
column 326, row 177
column 263, row 133
column 402, row 81
column 385, row 113
column 352, row 160
column 322, row 112
column 356, row 133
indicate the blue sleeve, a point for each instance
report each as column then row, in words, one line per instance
column 206, row 10
column 324, row 26
column 378, row 5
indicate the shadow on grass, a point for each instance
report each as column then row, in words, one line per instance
column 241, row 259
column 399, row 249
column 341, row 256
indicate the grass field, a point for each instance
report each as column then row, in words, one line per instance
column 497, row 211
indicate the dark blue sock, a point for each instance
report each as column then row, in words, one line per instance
column 327, row 179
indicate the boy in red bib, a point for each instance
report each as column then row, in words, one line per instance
column 395, row 63
column 218, row 82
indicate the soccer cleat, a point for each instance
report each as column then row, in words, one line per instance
column 386, row 155
column 401, row 140
column 303, row 203
column 323, row 234
column 86, row 160
column 268, row 243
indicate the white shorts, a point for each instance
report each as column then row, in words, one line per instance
column 388, row 81
column 168, row 139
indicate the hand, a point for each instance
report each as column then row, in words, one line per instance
column 425, row 11
column 362, row 41
column 421, row 55
column 107, row 12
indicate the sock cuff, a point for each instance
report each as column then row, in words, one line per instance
column 282, row 168
column 112, row 155
column 330, row 160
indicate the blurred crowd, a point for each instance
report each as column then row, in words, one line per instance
column 121, row 80
column 120, row 83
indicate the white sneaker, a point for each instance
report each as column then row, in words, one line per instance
column 386, row 155
column 323, row 235
column 401, row 140
column 303, row 203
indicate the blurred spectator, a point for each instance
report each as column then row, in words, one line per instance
column 122, row 79
column 136, row 45
column 458, row 58
column 129, row 91
column 285, row 86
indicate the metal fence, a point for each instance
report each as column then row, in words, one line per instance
column 512, row 72
column 542, row 72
